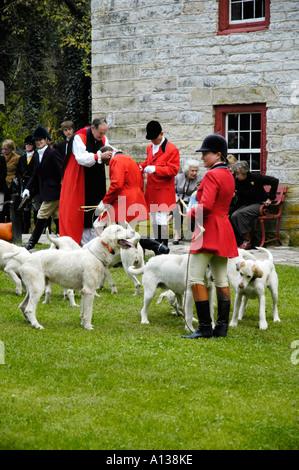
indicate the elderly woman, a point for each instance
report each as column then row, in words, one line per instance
column 250, row 195
column 185, row 184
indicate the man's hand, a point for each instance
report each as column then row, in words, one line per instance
column 104, row 157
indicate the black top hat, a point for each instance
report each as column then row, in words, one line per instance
column 153, row 129
column 41, row 133
column 214, row 143
column 29, row 140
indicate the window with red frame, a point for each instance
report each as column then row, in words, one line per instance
column 237, row 16
column 244, row 127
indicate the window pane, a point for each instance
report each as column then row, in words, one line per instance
column 233, row 121
column 236, row 12
column 246, row 157
column 256, row 121
column 244, row 140
column 260, row 9
column 255, row 140
column 232, row 140
column 255, row 162
column 248, row 11
column 245, row 122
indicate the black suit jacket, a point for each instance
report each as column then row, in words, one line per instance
column 24, row 173
column 61, row 147
column 47, row 174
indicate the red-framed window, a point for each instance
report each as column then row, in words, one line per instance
column 244, row 127
column 238, row 16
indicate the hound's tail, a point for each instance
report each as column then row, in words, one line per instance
column 246, row 254
column 267, row 252
column 21, row 255
column 53, row 240
column 135, row 271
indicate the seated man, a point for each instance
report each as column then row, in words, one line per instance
column 250, row 195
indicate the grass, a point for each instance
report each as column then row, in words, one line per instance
column 130, row 386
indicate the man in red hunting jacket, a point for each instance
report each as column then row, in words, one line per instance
column 162, row 164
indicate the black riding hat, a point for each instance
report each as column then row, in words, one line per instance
column 29, row 140
column 41, row 133
column 214, row 143
column 153, row 130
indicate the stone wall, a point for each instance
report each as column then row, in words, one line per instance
column 155, row 59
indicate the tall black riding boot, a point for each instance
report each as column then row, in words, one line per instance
column 56, row 222
column 204, row 329
column 202, row 304
column 151, row 244
column 221, row 327
column 35, row 236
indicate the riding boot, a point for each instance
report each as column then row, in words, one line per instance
column 48, row 225
column 223, row 297
column 151, row 244
column 56, row 222
column 163, row 233
column 202, row 304
column 35, row 236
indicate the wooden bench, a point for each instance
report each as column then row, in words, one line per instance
column 273, row 212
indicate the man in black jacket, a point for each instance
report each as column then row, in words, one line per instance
column 47, row 175
column 250, row 194
column 24, row 172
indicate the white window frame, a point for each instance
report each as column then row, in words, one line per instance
column 239, row 151
column 247, row 20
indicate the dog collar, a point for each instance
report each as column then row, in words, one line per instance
column 107, row 246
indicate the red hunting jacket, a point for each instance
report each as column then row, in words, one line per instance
column 214, row 196
column 125, row 193
column 160, row 188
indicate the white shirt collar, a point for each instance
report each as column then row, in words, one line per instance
column 29, row 154
column 41, row 152
column 156, row 147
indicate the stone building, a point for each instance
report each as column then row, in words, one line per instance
column 197, row 66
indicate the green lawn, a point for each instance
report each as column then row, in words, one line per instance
column 130, row 386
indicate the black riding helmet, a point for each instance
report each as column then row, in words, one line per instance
column 214, row 143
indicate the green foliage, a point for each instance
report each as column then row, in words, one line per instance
column 45, row 52
column 130, row 386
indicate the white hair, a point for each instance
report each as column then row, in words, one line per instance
column 190, row 162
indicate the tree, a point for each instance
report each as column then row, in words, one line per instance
column 45, row 65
